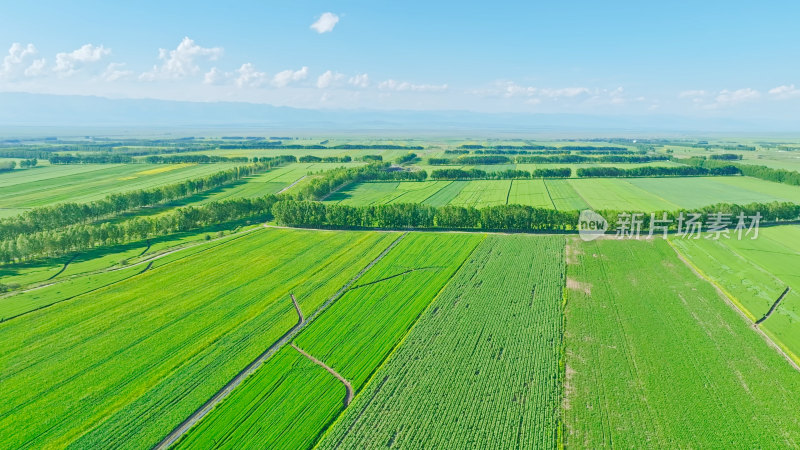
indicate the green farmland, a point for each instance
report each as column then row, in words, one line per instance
column 42, row 186
column 233, row 311
column 655, row 357
column 631, row 194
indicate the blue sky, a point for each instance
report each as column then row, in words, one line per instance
column 737, row 59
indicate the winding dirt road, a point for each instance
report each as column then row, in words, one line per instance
column 201, row 412
column 349, row 396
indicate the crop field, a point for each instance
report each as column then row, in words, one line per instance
column 656, row 358
column 145, row 358
column 626, row 194
column 530, row 192
column 493, row 337
column 87, row 273
column 83, row 183
column 755, row 272
column 287, row 403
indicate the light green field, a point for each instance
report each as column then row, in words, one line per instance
column 755, row 272
column 148, row 351
column 480, row 193
column 625, row 194
column 656, row 358
column 564, row 196
column 530, row 192
column 83, row 183
column 480, row 366
column 94, row 270
column 288, row 402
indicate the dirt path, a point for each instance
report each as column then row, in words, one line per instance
column 774, row 305
column 291, row 185
column 201, row 412
column 732, row 303
column 301, row 319
column 349, row 397
column 149, row 260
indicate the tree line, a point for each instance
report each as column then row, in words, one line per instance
column 784, row 176
column 520, row 218
column 333, row 180
column 576, row 159
column 81, row 237
column 474, row 174
column 65, row 214
column 196, row 159
column 327, row 159
column 653, row 171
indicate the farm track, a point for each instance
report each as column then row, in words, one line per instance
column 774, row 306
column 733, row 304
column 547, row 189
column 291, row 185
column 226, row 390
column 149, row 261
column 349, row 396
column 393, row 276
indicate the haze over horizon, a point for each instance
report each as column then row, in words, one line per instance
column 721, row 65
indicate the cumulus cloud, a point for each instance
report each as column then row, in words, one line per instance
column 214, row 76
column 69, row 63
column 510, row 89
column 248, row 76
column 182, row 61
column 325, row 23
column 726, row 97
column 116, row 71
column 392, row 85
column 360, row 80
column 785, row 91
column 693, row 94
column 286, row 77
column 14, row 63
column 328, row 78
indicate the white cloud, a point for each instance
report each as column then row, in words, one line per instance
column 182, row 61
column 214, row 76
column 784, row 92
column 284, row 78
column 726, row 97
column 17, row 57
column 325, row 23
column 392, row 85
column 69, row 63
column 359, row 80
column 693, row 94
column 328, row 78
column 36, row 68
column 116, row 71
column 510, row 89
column 248, row 76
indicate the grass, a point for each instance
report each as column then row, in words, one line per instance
column 656, row 358
column 287, row 403
column 530, row 192
column 83, row 183
column 146, row 352
column 755, row 272
column 480, row 366
column 624, row 194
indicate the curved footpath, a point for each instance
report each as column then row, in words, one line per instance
column 201, row 412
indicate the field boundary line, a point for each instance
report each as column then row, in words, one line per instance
column 732, row 302
column 64, row 267
column 348, row 387
column 399, row 343
column 149, row 259
column 291, row 185
column 287, row 337
column 508, row 193
column 547, row 189
column 774, row 305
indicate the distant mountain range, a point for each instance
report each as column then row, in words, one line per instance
column 41, row 110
